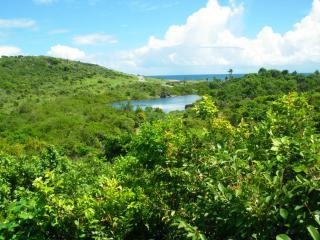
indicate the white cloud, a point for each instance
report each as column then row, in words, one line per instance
column 67, row 52
column 94, row 38
column 17, row 23
column 93, row 2
column 209, row 41
column 43, row 1
column 48, row 2
column 9, row 51
column 58, row 31
column 3, row 35
column 150, row 5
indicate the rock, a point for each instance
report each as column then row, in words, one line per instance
column 189, row 106
column 164, row 95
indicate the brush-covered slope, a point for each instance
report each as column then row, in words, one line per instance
column 25, row 71
column 26, row 75
column 46, row 100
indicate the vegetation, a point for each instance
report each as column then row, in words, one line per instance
column 243, row 163
column 52, row 101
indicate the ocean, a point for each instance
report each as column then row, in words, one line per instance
column 196, row 77
column 202, row 76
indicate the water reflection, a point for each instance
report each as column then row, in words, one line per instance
column 166, row 104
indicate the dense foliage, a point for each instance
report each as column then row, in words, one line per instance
column 53, row 101
column 240, row 164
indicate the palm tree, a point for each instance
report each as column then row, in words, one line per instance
column 230, row 73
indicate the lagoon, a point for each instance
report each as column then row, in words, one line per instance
column 166, row 104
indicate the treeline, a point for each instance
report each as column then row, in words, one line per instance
column 249, row 97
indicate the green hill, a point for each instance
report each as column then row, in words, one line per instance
column 23, row 77
column 46, row 100
column 43, row 70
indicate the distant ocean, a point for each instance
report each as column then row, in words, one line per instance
column 209, row 77
column 196, row 76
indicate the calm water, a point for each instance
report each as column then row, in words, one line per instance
column 210, row 77
column 166, row 104
column 197, row 76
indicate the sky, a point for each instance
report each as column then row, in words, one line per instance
column 159, row 37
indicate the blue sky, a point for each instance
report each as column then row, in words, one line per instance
column 135, row 36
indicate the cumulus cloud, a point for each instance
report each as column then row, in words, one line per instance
column 94, row 38
column 67, row 52
column 43, row 1
column 48, row 2
column 58, row 31
column 17, row 23
column 150, row 5
column 9, row 51
column 93, row 2
column 208, row 41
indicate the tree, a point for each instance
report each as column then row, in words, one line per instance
column 206, row 109
column 262, row 71
column 230, row 72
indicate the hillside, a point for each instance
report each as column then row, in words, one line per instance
column 27, row 77
column 45, row 100
column 242, row 163
column 250, row 96
column 45, row 70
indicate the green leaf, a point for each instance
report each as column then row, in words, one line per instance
column 300, row 168
column 221, row 188
column 313, row 232
column 298, row 207
column 317, row 217
column 25, row 215
column 283, row 213
column 283, row 237
column 268, row 199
